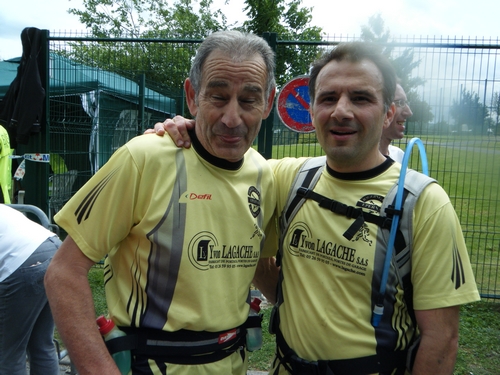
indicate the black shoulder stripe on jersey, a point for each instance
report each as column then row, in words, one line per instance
column 84, row 209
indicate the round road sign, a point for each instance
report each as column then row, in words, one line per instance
column 293, row 105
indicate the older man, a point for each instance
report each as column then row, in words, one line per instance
column 182, row 230
column 396, row 129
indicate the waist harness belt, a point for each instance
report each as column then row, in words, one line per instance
column 182, row 347
column 383, row 363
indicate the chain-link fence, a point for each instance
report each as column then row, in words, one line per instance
column 102, row 92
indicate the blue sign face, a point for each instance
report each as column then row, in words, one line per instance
column 293, row 105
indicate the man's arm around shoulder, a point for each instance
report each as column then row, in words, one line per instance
column 70, row 298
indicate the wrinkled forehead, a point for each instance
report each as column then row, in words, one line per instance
column 220, row 66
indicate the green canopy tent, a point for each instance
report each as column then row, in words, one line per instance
column 92, row 111
column 114, row 107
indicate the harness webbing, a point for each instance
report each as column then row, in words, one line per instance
column 383, row 362
column 302, row 189
column 310, row 180
column 183, row 347
column 350, row 212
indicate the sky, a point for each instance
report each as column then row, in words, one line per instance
column 460, row 18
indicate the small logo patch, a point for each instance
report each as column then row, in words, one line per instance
column 227, row 336
column 193, row 196
column 254, row 201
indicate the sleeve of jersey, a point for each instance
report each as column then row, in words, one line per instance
column 101, row 213
column 285, row 171
column 441, row 271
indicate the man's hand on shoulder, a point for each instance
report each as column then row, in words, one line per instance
column 177, row 128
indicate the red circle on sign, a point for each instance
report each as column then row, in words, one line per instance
column 293, row 105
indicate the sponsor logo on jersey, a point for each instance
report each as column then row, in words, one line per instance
column 194, row 196
column 300, row 233
column 206, row 252
column 300, row 242
column 254, row 201
column 371, row 203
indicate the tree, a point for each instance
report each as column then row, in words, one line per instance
column 188, row 19
column 469, row 111
column 375, row 32
column 422, row 115
column 404, row 63
column 496, row 110
column 147, row 19
column 291, row 22
column 153, row 18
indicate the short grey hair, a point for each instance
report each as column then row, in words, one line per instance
column 238, row 46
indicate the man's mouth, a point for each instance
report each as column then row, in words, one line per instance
column 230, row 138
column 336, row 132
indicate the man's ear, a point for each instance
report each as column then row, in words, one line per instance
column 269, row 104
column 190, row 97
column 389, row 116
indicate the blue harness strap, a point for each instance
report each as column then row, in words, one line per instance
column 378, row 309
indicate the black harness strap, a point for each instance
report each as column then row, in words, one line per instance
column 352, row 213
column 379, row 363
column 182, row 347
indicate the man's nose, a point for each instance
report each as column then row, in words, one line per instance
column 232, row 116
column 343, row 109
column 407, row 111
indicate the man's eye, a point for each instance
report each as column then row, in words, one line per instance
column 217, row 99
column 328, row 99
column 360, row 99
column 248, row 101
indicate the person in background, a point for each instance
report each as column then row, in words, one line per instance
column 396, row 129
column 5, row 166
column 323, row 321
column 26, row 323
column 181, row 230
